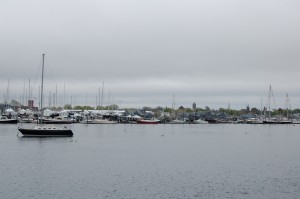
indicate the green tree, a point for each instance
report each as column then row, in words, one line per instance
column 113, row 107
column 188, row 110
column 168, row 110
column 146, row 108
column 68, row 106
column 255, row 111
column 15, row 103
column 297, row 110
column 78, row 107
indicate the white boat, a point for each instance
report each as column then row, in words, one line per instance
column 46, row 130
column 200, row 121
column 268, row 119
column 148, row 121
column 98, row 121
column 271, row 120
column 5, row 120
column 57, row 120
column 285, row 120
column 254, row 121
column 177, row 121
column 27, row 120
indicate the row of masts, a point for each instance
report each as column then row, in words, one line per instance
column 53, row 100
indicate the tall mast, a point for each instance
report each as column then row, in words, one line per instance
column 64, row 95
column 42, row 85
column 99, row 97
column 7, row 92
column 29, row 89
column 270, row 91
column 102, row 94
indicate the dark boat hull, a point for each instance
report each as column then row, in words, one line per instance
column 212, row 121
column 147, row 122
column 270, row 122
column 9, row 121
column 46, row 133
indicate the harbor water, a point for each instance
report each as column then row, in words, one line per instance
column 124, row 161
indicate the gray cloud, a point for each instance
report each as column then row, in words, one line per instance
column 210, row 52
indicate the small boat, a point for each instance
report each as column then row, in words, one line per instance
column 270, row 121
column 211, row 121
column 285, row 121
column 5, row 120
column 254, row 121
column 57, row 121
column 200, row 121
column 151, row 121
column 46, row 130
column 27, row 120
column 177, row 121
column 98, row 121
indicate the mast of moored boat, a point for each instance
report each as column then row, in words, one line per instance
column 288, row 106
column 42, row 88
column 270, row 102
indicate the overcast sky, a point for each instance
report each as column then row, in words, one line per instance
column 211, row 52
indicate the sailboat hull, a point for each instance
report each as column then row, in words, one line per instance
column 46, row 132
column 8, row 121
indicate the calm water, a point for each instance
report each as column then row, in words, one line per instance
column 153, row 161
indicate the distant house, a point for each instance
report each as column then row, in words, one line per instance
column 133, row 112
column 139, row 112
column 3, row 107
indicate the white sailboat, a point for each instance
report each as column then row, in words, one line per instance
column 268, row 119
column 287, row 118
column 46, row 130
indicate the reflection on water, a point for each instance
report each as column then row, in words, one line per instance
column 153, row 161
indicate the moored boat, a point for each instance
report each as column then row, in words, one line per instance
column 98, row 121
column 270, row 121
column 5, row 120
column 254, row 121
column 144, row 121
column 44, row 130
column 57, row 121
column 200, row 121
column 285, row 121
column 47, row 131
column 177, row 121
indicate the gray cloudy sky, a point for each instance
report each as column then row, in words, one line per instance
column 212, row 52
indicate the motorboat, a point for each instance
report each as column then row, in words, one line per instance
column 254, row 121
column 57, row 121
column 98, row 121
column 148, row 121
column 200, row 121
column 5, row 120
column 177, row 121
